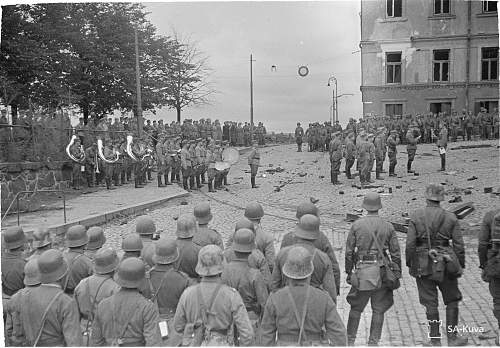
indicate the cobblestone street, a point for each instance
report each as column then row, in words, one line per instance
column 307, row 175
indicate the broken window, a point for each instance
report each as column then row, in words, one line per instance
column 393, row 109
column 441, row 65
column 441, row 6
column 393, row 63
column 489, row 6
column 394, row 8
column 489, row 63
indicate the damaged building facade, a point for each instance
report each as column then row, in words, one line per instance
column 420, row 56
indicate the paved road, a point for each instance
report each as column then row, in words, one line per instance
column 307, row 175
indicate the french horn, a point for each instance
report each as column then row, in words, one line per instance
column 101, row 154
column 72, row 141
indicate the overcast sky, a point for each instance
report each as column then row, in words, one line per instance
column 320, row 35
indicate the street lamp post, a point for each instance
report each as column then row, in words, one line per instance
column 335, row 115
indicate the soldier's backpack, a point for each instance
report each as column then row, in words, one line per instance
column 492, row 268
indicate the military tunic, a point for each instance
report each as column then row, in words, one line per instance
column 188, row 257
column 205, row 236
column 79, row 267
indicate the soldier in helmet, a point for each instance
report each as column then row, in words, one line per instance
column 146, row 229
column 350, row 155
column 335, row 149
column 12, row 323
column 430, row 231
column 93, row 289
column 132, row 246
column 187, row 227
column 220, row 305
column 204, row 234
column 165, row 285
column 322, row 243
column 256, row 259
column 299, row 135
column 371, row 241
column 48, row 316
column 489, row 259
column 42, row 242
column 298, row 313
column 442, row 142
column 127, row 318
column 392, row 151
column 248, row 281
column 306, row 231
column 412, row 137
column 96, row 241
column 379, row 143
column 79, row 265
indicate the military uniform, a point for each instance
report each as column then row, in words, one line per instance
column 489, row 251
column 187, row 167
column 350, row 155
column 206, row 236
column 12, row 272
column 335, row 158
column 441, row 227
column 379, row 143
column 411, row 148
column 256, row 260
column 299, row 134
column 188, row 257
column 442, row 144
column 392, row 151
column 77, row 151
column 254, row 161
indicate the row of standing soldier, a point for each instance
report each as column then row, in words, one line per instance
column 180, row 292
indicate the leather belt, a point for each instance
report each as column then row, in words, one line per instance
column 294, row 338
column 434, row 243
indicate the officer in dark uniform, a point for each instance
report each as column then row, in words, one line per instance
column 489, row 259
column 361, row 247
column 392, row 151
column 300, row 314
column 435, row 226
column 335, row 149
column 412, row 137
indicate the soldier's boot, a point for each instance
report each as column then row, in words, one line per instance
column 225, row 180
column 497, row 340
column 348, row 173
column 443, row 162
column 336, row 179
column 198, row 182
column 108, row 184
column 332, row 180
column 451, row 321
column 191, row 183
column 378, row 176
column 173, row 177
column 408, row 167
column 376, row 329
column 185, row 184
column 158, row 178
column 166, row 180
column 369, row 178
column 434, row 334
column 352, row 326
column 203, row 179
column 150, row 178
column 252, row 180
column 210, row 186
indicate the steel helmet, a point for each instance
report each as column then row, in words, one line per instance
column 372, row 202
column 244, row 223
column 76, row 236
column 13, row 237
column 186, row 226
column 131, row 273
column 306, row 208
column 145, row 225
column 41, row 237
column 132, row 242
column 244, row 240
column 254, row 211
column 308, row 227
column 434, row 192
column 96, row 238
column 202, row 213
column 31, row 273
column 52, row 266
column 210, row 261
column 166, row 251
column 298, row 264
column 105, row 261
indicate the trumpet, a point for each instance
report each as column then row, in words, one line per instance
column 68, row 152
column 101, row 154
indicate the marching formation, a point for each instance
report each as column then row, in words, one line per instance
column 197, row 289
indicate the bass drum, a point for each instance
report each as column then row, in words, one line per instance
column 230, row 155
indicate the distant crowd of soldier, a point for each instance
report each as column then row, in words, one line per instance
column 70, row 289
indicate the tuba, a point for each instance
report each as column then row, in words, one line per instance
column 78, row 160
column 101, row 154
column 129, row 148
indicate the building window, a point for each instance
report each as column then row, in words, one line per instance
column 394, row 8
column 489, row 6
column 444, row 107
column 393, row 109
column 441, row 65
column 393, row 62
column 441, row 7
column 489, row 63
column 489, row 105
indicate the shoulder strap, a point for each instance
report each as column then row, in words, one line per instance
column 155, row 293
column 129, row 317
column 204, row 309
column 377, row 244
column 70, row 269
column 300, row 320
column 427, row 229
column 44, row 317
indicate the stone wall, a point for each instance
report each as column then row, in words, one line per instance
column 31, row 176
